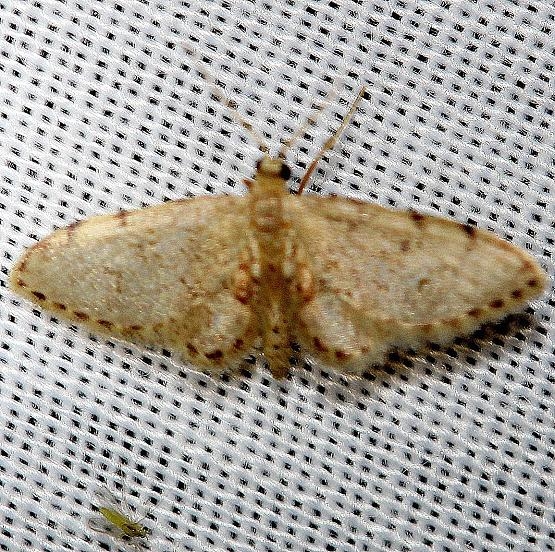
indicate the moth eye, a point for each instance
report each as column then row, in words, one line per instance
column 285, row 172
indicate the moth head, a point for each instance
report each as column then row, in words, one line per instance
column 273, row 167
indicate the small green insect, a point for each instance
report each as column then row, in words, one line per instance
column 114, row 522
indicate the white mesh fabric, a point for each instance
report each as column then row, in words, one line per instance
column 100, row 110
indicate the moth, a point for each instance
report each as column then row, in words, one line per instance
column 115, row 522
column 213, row 278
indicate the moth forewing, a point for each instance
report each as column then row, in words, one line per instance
column 384, row 279
column 172, row 275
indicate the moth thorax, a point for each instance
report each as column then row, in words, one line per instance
column 267, row 214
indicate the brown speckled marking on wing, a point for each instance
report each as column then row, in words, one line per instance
column 164, row 275
column 388, row 279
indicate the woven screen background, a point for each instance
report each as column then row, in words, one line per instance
column 101, row 109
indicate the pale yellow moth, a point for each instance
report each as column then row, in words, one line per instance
column 214, row 277
column 115, row 522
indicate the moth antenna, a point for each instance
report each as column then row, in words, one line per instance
column 222, row 98
column 310, row 121
column 331, row 141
